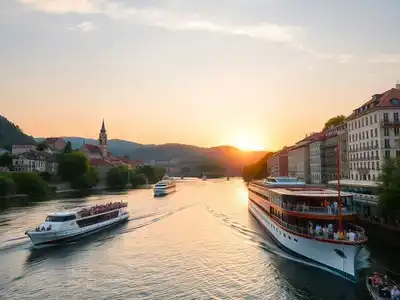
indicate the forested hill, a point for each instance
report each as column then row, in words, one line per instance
column 11, row 134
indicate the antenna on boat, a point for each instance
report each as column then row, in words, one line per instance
column 338, row 188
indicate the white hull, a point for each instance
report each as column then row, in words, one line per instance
column 163, row 191
column 322, row 252
column 54, row 237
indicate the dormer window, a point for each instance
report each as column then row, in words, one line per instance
column 395, row 101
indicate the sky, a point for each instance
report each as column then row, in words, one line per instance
column 258, row 74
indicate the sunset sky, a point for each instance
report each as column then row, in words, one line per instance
column 252, row 73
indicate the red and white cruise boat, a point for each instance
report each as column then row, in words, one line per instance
column 315, row 223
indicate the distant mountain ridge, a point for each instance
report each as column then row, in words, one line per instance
column 11, row 134
column 226, row 156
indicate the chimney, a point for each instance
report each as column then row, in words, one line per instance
column 397, row 86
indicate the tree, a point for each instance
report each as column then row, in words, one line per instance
column 117, row 177
column 6, row 160
column 45, row 175
column 42, row 146
column 389, row 189
column 334, row 121
column 86, row 181
column 137, row 179
column 68, row 147
column 7, row 186
column 257, row 170
column 72, row 165
column 29, row 183
column 153, row 174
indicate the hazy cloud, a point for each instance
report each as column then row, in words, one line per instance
column 385, row 59
column 83, row 27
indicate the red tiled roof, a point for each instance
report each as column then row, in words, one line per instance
column 92, row 148
column 52, row 140
column 99, row 162
column 378, row 100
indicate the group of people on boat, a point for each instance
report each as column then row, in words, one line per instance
column 328, row 232
column 385, row 289
column 98, row 209
column 42, row 228
column 329, row 207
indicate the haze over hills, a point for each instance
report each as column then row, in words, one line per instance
column 226, row 156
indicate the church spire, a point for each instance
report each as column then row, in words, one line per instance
column 103, row 127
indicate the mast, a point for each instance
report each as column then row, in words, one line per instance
column 338, row 187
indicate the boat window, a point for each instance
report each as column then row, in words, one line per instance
column 295, row 239
column 60, row 218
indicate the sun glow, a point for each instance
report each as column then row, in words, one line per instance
column 247, row 143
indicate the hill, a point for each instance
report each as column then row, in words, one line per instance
column 11, row 134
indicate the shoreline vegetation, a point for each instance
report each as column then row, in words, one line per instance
column 75, row 175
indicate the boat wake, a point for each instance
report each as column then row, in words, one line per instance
column 259, row 240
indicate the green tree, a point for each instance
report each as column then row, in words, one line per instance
column 7, row 186
column 257, row 170
column 153, row 174
column 117, row 177
column 389, row 189
column 29, row 183
column 334, row 121
column 6, row 160
column 86, row 181
column 72, row 165
column 41, row 146
column 137, row 179
column 68, row 147
column 45, row 175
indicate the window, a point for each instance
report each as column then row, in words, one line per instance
column 396, row 117
column 385, row 117
column 377, row 165
column 366, row 121
column 386, row 131
column 376, row 132
column 394, row 101
column 359, row 124
column 376, row 143
column 375, row 118
column 387, row 153
column 372, row 132
column 369, row 177
column 377, row 154
column 60, row 218
column 370, row 119
column 396, row 131
column 397, row 153
column 387, row 143
column 373, row 165
column 362, row 122
column 366, row 133
column 363, row 135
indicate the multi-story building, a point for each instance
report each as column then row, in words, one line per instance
column 30, row 161
column 55, row 143
column 373, row 132
column 17, row 149
column 299, row 158
column 316, row 151
column 278, row 163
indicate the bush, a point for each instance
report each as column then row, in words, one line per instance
column 7, row 186
column 29, row 183
column 117, row 177
column 137, row 179
column 153, row 174
column 45, row 175
column 86, row 181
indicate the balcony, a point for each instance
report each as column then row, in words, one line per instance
column 390, row 123
column 305, row 209
column 362, row 170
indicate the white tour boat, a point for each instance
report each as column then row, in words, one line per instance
column 314, row 223
column 164, row 187
column 70, row 225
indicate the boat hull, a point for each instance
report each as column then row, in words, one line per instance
column 163, row 192
column 58, row 237
column 324, row 253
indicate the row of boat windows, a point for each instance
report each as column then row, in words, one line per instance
column 60, row 218
column 97, row 219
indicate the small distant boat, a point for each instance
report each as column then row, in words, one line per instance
column 204, row 177
column 227, row 178
column 164, row 187
column 67, row 226
column 380, row 287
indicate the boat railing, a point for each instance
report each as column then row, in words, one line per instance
column 346, row 210
column 327, row 235
column 98, row 209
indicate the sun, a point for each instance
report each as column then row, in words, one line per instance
column 247, row 143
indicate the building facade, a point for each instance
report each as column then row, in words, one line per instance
column 373, row 133
column 55, row 143
column 316, row 149
column 278, row 164
column 30, row 161
column 17, row 149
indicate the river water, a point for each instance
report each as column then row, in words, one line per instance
column 198, row 243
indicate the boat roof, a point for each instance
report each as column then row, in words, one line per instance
column 308, row 192
column 64, row 213
column 283, row 180
column 355, row 183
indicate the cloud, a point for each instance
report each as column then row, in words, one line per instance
column 385, row 59
column 169, row 20
column 83, row 27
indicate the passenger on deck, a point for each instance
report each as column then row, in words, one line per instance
column 351, row 235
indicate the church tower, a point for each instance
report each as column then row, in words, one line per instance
column 103, row 140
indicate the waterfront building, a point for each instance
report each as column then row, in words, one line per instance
column 373, row 132
column 18, row 149
column 299, row 158
column 278, row 163
column 30, row 161
column 316, row 149
column 56, row 144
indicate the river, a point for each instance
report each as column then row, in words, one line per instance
column 198, row 243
